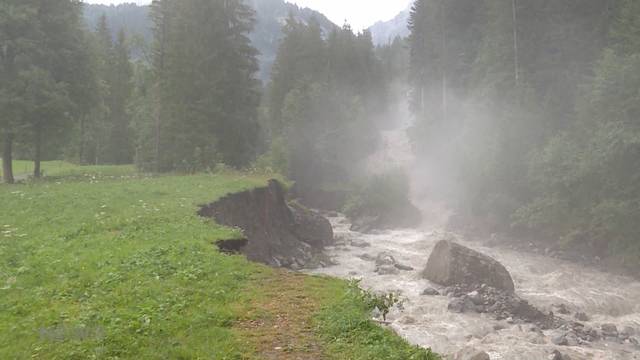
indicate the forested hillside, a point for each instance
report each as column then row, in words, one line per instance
column 529, row 110
column 270, row 17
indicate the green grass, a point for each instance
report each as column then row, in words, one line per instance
column 108, row 264
column 65, row 169
column 346, row 325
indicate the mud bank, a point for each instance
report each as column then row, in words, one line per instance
column 275, row 232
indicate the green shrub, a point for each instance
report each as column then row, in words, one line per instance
column 347, row 326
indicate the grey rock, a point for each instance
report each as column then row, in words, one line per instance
column 609, row 330
column 461, row 305
column 454, row 264
column 560, row 340
column 475, row 297
column 498, row 327
column 311, row 227
column 407, row 320
column 561, row 309
column 385, row 258
column 359, row 243
column 580, row 316
column 572, row 339
column 430, row 292
column 387, row 270
column 367, row 257
column 481, row 355
column 403, row 267
column 471, row 354
column 557, row 355
column 627, row 332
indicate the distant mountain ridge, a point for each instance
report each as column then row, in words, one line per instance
column 270, row 15
column 383, row 32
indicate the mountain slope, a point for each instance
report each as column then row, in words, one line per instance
column 270, row 16
column 384, row 32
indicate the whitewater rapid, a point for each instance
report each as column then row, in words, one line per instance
column 543, row 281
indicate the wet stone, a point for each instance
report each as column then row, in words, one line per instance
column 430, row 292
column 560, row 340
column 387, row 270
column 367, row 257
column 609, row 330
column 359, row 243
column 562, row 309
column 627, row 332
column 580, row 316
column 475, row 297
column 471, row 354
column 461, row 305
column 385, row 258
column 403, row 267
column 408, row 320
column 557, row 355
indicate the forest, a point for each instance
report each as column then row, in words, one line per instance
column 525, row 112
column 529, row 110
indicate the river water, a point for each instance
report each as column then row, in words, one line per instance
column 543, row 281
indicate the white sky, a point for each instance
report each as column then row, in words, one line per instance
column 359, row 13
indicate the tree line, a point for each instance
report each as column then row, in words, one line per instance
column 532, row 108
column 71, row 92
column 327, row 96
column 190, row 100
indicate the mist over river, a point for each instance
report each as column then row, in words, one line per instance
column 543, row 281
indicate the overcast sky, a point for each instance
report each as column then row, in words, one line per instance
column 359, row 13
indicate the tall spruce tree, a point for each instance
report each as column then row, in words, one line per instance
column 119, row 148
column 208, row 94
column 18, row 26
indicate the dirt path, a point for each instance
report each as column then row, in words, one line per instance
column 279, row 323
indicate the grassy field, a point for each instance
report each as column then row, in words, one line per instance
column 64, row 169
column 102, row 263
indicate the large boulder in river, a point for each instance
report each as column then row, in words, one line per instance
column 453, row 264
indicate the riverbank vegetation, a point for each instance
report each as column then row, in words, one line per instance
column 529, row 110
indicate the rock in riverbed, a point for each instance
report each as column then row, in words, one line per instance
column 430, row 292
column 453, row 264
column 385, row 260
column 471, row 354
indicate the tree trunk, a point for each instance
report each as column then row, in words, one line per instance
column 7, row 159
column 516, row 54
column 37, row 158
column 81, row 149
column 445, row 89
column 156, row 166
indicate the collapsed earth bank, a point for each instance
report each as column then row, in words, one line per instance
column 275, row 232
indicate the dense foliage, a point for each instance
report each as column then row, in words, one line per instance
column 207, row 94
column 529, row 108
column 326, row 92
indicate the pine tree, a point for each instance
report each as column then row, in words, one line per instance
column 207, row 89
column 17, row 26
column 119, row 148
